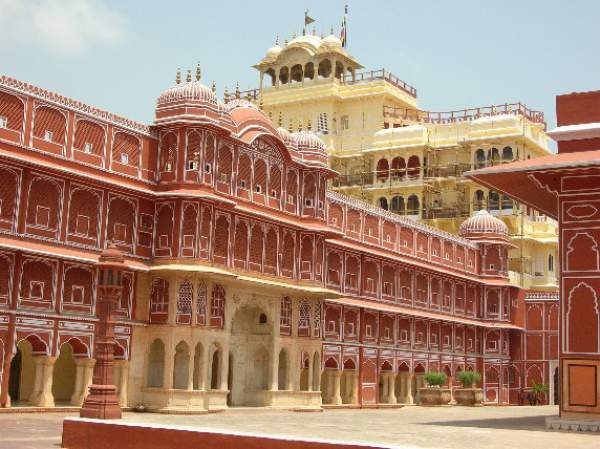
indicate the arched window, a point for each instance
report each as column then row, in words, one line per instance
column 478, row 200
column 284, row 75
column 184, row 302
column 324, row 70
column 494, row 156
column 480, row 158
column 383, row 170
column 398, row 168
column 398, row 204
column 296, row 73
column 383, row 203
column 272, row 76
column 414, row 167
column 494, row 200
column 507, row 154
column 507, row 203
column 309, row 71
column 413, row 206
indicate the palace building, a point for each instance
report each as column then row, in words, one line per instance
column 249, row 282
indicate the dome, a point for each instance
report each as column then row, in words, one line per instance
column 483, row 226
column 274, row 51
column 190, row 91
column 308, row 141
column 332, row 41
column 287, row 137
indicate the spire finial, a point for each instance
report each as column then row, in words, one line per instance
column 277, row 40
column 314, row 31
column 299, row 124
column 249, row 96
column 178, row 77
column 291, row 127
column 188, row 78
column 308, row 125
column 322, row 36
column 198, row 73
column 226, row 95
column 286, row 42
column 280, row 120
column 237, row 90
column 332, row 32
column 214, row 87
column 294, row 35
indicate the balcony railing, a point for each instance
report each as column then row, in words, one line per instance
column 380, row 74
column 464, row 115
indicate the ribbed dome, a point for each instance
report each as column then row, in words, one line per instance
column 274, row 51
column 287, row 137
column 483, row 225
column 331, row 41
column 190, row 91
column 308, row 141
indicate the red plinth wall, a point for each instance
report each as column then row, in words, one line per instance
column 96, row 434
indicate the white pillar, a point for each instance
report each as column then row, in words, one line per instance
column 391, row 398
column 224, row 367
column 42, row 394
column 83, row 379
column 123, row 381
column 336, row 397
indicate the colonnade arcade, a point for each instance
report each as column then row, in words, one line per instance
column 42, row 379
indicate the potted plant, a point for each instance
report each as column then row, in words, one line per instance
column 536, row 396
column 434, row 394
column 469, row 394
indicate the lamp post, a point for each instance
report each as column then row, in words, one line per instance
column 102, row 402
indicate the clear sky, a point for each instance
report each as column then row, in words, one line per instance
column 119, row 55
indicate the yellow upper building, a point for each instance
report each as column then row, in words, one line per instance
column 405, row 159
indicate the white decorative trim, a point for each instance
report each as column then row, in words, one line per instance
column 575, row 132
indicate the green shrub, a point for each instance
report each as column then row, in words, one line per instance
column 469, row 378
column 435, row 379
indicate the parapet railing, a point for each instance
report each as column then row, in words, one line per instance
column 464, row 115
column 379, row 74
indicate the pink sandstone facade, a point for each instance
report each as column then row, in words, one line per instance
column 247, row 281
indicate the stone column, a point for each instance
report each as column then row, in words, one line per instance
column 419, row 383
column 391, row 396
column 123, row 366
column 204, row 367
column 224, row 367
column 191, row 363
column 274, row 375
column 336, row 397
column 310, row 374
column 42, row 390
column 406, row 396
column 83, row 379
column 353, row 387
column 169, row 366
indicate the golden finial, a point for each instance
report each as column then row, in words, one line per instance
column 291, row 127
column 300, row 125
column 237, row 90
column 261, row 105
column 308, row 126
column 314, row 31
column 198, row 73
column 248, row 96
column 280, row 120
column 322, row 36
column 188, row 78
column 332, row 32
column 214, row 87
column 226, row 95
column 294, row 35
column 286, row 42
column 277, row 40
column 178, row 77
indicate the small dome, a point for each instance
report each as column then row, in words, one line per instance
column 483, row 226
column 274, row 51
column 331, row 41
column 192, row 90
column 309, row 141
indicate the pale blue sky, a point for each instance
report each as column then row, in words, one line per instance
column 119, row 55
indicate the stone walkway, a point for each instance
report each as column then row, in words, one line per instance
column 409, row 427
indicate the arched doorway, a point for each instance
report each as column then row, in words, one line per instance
column 14, row 380
column 156, row 364
column 251, row 336
column 283, row 371
column 181, row 366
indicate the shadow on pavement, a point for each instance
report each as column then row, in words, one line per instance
column 536, row 423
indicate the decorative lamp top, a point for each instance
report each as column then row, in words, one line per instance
column 191, row 90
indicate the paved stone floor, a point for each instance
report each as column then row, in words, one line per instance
column 409, row 427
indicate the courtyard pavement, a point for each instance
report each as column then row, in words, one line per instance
column 408, row 427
